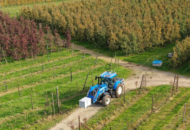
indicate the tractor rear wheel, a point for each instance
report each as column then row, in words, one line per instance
column 119, row 90
column 106, row 100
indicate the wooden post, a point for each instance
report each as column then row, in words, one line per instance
column 71, row 73
column 111, row 62
column 171, row 88
column 74, row 50
column 79, row 122
column 52, row 24
column 96, row 58
column 30, row 78
column 15, row 54
column 4, row 56
column 184, row 113
column 53, row 70
column 11, row 109
column 46, row 99
column 173, row 85
column 32, row 55
column 77, row 86
column 145, row 79
column 6, row 82
column 18, row 89
column 25, row 121
column 115, row 60
column 44, row 112
column 31, row 98
column 45, row 106
column 71, row 50
column 81, row 62
column 20, row 71
column 58, row 100
column 12, row 126
column 53, row 104
column 85, row 81
column 47, row 51
column 177, row 83
column 152, row 104
column 124, row 92
column 118, row 62
column 141, row 84
column 92, row 78
column 42, row 64
column 136, row 83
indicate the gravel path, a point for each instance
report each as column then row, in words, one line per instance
column 154, row 78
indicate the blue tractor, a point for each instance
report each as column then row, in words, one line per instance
column 108, row 86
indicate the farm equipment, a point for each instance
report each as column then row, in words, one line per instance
column 157, row 63
column 109, row 86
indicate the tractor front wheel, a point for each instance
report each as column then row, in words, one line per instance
column 106, row 100
column 119, row 90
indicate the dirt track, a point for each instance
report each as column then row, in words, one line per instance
column 154, row 78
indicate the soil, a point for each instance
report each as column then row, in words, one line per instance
column 154, row 78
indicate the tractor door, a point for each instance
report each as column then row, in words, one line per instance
column 111, row 83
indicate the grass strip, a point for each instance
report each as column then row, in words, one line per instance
column 178, row 104
column 159, row 101
column 158, row 120
column 175, row 121
column 40, row 68
column 183, row 118
column 47, row 75
column 32, row 62
column 27, row 120
column 128, row 115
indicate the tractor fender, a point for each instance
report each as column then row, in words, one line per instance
column 116, row 84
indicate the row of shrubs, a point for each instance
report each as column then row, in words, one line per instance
column 5, row 3
column 129, row 26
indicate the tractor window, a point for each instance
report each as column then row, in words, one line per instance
column 114, row 80
column 104, row 81
column 111, row 83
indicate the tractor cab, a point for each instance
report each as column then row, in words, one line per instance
column 108, row 82
column 108, row 78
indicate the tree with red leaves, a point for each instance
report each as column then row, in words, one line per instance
column 57, row 39
column 41, row 40
column 68, row 37
column 6, row 46
column 21, row 38
column 15, row 43
column 24, row 47
column 50, row 40
column 47, row 29
column 33, row 42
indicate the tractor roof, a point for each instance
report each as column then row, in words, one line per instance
column 108, row 74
